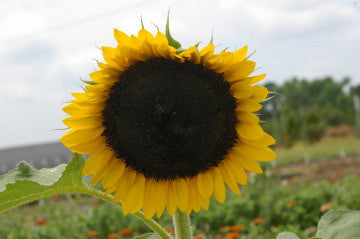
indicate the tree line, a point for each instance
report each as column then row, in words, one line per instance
column 301, row 109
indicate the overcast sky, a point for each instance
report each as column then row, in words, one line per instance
column 47, row 46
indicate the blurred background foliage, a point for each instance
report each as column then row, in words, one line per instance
column 304, row 110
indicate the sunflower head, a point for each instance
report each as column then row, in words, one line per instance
column 166, row 128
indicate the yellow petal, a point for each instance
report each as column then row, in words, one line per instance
column 97, row 160
column 88, row 147
column 127, row 182
column 247, row 117
column 145, row 35
column 239, row 71
column 76, row 110
column 256, row 153
column 90, row 99
column 254, row 79
column 110, row 57
column 171, row 204
column 150, row 198
column 99, row 175
column 193, row 203
column 248, row 105
column 161, row 47
column 250, row 131
column 229, row 178
column 204, row 202
column 265, row 140
column 134, row 195
column 250, row 165
column 207, row 52
column 205, row 184
column 146, row 42
column 105, row 77
column 98, row 89
column 121, row 37
column 76, row 136
column 181, row 192
column 240, row 54
column 241, row 91
column 236, row 169
column 260, row 93
column 224, row 63
column 115, row 174
column 219, row 187
column 88, row 122
column 80, row 96
column 162, row 188
column 192, row 54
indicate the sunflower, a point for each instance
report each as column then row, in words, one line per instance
column 169, row 128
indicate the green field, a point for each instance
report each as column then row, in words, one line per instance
column 324, row 149
column 271, row 203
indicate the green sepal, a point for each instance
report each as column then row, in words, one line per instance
column 172, row 42
column 212, row 36
column 89, row 82
column 142, row 23
column 197, row 44
column 157, row 27
column 25, row 183
column 251, row 54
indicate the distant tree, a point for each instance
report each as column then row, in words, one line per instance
column 302, row 109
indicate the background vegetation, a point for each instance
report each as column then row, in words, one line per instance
column 306, row 110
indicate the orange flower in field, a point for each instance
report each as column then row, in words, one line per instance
column 199, row 236
column 92, row 233
column 41, row 222
column 238, row 228
column 232, row 235
column 112, row 236
column 325, row 207
column 56, row 197
column 331, row 180
column 170, row 231
column 258, row 220
column 292, row 203
column 218, row 236
column 126, row 231
column 224, row 229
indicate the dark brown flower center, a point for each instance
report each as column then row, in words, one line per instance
column 167, row 119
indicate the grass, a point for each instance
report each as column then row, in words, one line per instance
column 324, row 149
column 291, row 207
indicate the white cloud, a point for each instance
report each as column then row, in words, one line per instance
column 318, row 67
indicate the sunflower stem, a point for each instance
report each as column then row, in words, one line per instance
column 153, row 225
column 182, row 225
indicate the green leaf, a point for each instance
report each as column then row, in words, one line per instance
column 25, row 184
column 147, row 236
column 172, row 41
column 339, row 224
column 287, row 235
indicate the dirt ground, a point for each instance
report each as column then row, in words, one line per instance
column 329, row 169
